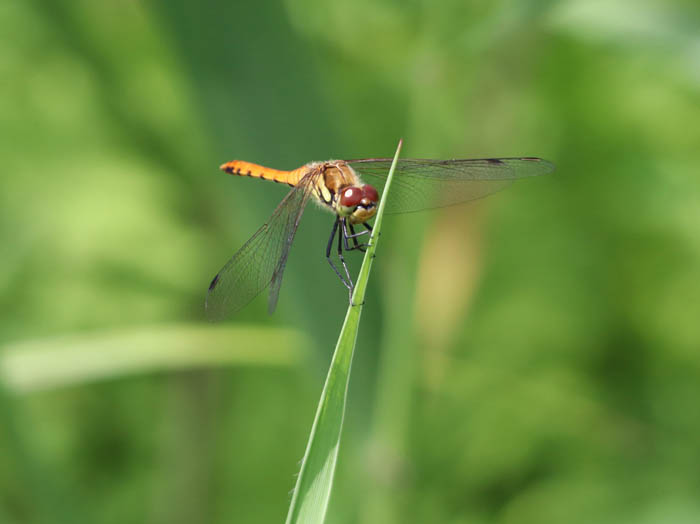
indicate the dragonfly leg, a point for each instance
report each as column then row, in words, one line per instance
column 356, row 243
column 346, row 283
column 370, row 229
column 352, row 232
column 352, row 235
column 341, row 239
column 344, row 226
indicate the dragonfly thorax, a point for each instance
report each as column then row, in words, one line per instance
column 340, row 190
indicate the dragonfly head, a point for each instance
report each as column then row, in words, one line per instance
column 358, row 203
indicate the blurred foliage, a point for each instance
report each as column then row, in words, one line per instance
column 554, row 334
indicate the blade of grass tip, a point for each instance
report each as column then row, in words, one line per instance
column 315, row 481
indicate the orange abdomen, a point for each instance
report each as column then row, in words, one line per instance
column 239, row 167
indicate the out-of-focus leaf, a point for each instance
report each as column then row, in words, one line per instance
column 68, row 360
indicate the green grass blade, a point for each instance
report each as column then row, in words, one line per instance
column 36, row 365
column 314, row 484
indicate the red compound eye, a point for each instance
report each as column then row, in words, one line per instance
column 370, row 193
column 350, row 196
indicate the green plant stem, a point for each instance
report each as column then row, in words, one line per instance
column 314, row 485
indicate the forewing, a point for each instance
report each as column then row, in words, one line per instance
column 262, row 259
column 423, row 183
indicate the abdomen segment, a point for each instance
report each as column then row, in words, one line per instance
column 241, row 168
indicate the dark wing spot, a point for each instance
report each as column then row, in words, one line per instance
column 495, row 161
column 214, row 282
column 248, row 172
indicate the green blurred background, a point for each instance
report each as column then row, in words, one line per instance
column 531, row 358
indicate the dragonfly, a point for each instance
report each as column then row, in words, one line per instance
column 350, row 190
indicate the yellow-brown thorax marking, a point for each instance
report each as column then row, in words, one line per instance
column 335, row 175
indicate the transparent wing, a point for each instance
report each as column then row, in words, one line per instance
column 423, row 184
column 262, row 259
